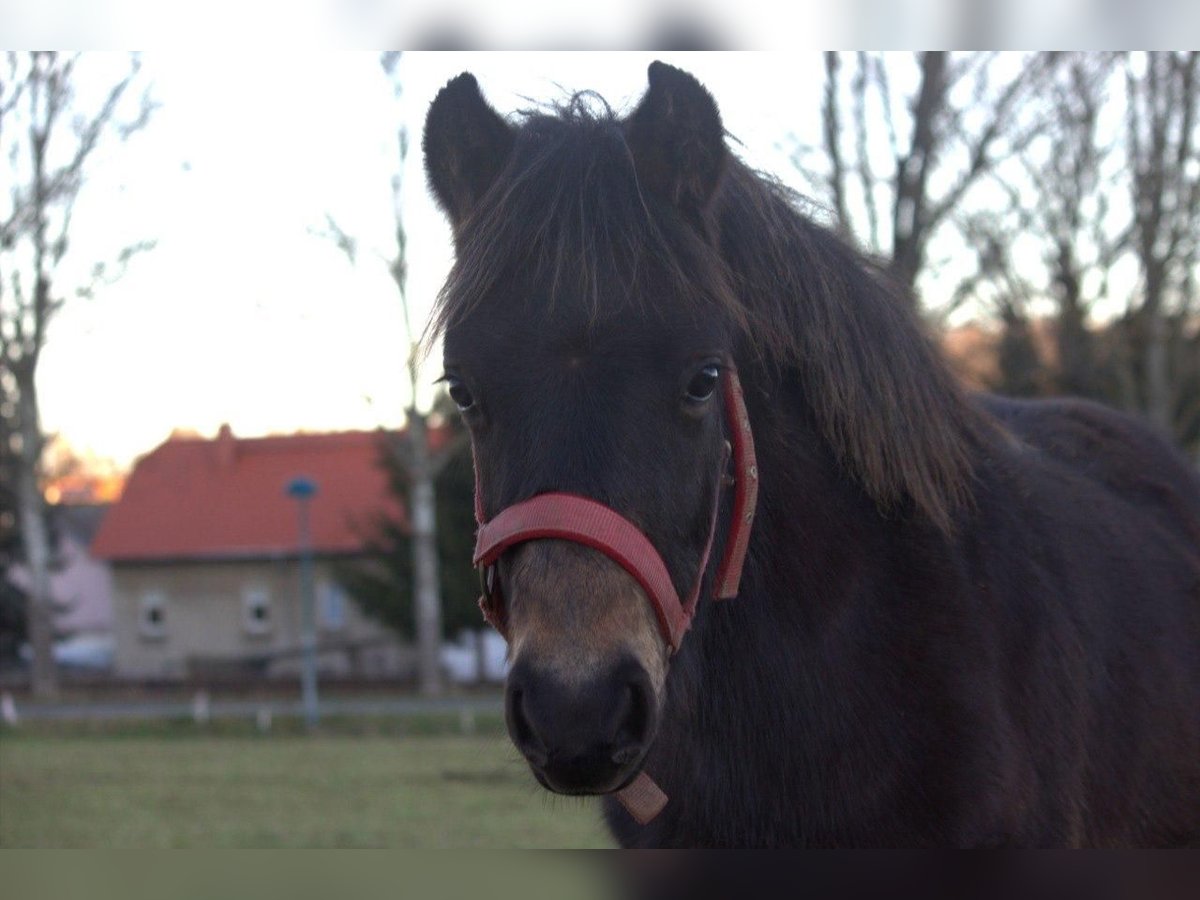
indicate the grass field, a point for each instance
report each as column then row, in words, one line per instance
column 245, row 790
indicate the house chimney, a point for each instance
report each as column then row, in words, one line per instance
column 226, row 446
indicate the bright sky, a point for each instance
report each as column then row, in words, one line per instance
column 240, row 314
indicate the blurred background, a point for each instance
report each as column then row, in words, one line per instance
column 236, row 603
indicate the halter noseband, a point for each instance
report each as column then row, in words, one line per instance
column 583, row 521
column 574, row 518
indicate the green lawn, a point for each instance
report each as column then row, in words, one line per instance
column 163, row 790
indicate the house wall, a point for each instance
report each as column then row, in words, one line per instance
column 81, row 587
column 84, row 587
column 205, row 625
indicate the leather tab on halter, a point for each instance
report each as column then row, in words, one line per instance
column 642, row 799
column 490, row 602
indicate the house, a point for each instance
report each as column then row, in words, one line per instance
column 80, row 584
column 205, row 553
column 80, row 587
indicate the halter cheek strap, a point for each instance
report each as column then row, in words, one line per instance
column 745, row 487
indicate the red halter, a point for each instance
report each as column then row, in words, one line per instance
column 574, row 518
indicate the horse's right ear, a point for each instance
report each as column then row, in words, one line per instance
column 677, row 140
column 466, row 144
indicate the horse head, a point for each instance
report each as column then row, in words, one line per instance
column 589, row 342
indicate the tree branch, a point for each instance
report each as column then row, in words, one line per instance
column 831, row 120
column 862, row 151
column 979, row 151
column 335, row 234
column 102, row 274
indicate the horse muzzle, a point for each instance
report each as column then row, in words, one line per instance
column 582, row 738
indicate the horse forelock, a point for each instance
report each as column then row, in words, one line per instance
column 567, row 214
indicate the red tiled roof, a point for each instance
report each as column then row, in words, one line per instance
column 226, row 498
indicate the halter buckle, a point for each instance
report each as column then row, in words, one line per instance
column 490, row 603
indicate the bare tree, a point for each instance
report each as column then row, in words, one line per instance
column 1060, row 193
column 1000, row 287
column 1163, row 116
column 1071, row 200
column 13, row 611
column 412, row 447
column 49, row 139
column 907, row 159
column 1114, row 176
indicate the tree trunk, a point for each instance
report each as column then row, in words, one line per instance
column 35, row 540
column 481, row 671
column 426, row 587
column 909, row 225
column 1123, row 353
column 1018, row 358
column 1076, row 365
column 1077, row 372
column 1158, row 383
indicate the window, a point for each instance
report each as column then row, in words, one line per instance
column 256, row 610
column 331, row 606
column 152, row 615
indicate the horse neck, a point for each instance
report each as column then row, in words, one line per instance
column 748, row 681
column 817, row 531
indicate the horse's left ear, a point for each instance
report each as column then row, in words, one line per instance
column 677, row 140
column 466, row 144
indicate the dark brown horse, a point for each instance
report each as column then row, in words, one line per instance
column 962, row 620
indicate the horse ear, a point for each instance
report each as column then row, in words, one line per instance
column 466, row 144
column 677, row 140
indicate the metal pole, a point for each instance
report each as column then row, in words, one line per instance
column 303, row 489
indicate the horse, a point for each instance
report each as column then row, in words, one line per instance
column 960, row 620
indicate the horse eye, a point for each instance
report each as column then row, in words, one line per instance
column 702, row 385
column 459, row 393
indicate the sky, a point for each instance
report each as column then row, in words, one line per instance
column 241, row 314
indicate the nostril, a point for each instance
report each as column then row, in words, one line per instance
column 522, row 734
column 581, row 738
column 634, row 723
column 516, row 716
column 624, row 755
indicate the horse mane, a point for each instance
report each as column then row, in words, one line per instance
column 566, row 210
column 879, row 389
